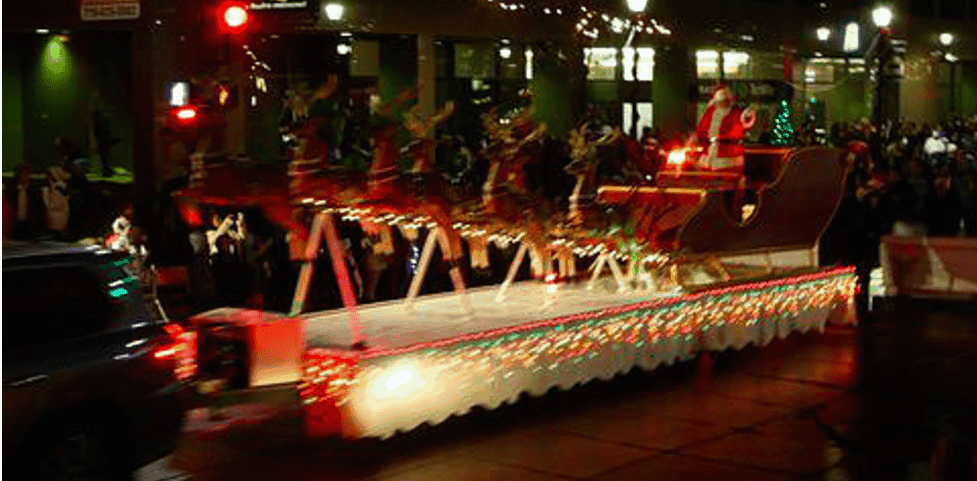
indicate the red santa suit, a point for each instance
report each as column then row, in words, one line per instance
column 721, row 130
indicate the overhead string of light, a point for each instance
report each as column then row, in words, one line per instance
column 257, row 67
column 591, row 22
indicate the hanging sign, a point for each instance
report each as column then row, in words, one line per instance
column 278, row 5
column 94, row 10
column 763, row 91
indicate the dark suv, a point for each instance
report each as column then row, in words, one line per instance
column 90, row 378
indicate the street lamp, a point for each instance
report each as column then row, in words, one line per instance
column 882, row 16
column 946, row 38
column 637, row 8
column 334, row 11
column 824, row 33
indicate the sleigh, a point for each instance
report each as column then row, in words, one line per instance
column 790, row 196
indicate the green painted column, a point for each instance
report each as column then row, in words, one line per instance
column 967, row 101
column 53, row 94
column 13, row 105
column 557, row 87
column 426, row 75
column 398, row 67
column 673, row 108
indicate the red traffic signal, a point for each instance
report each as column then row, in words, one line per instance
column 233, row 17
column 185, row 115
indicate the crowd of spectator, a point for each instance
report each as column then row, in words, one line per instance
column 60, row 202
column 915, row 179
column 919, row 179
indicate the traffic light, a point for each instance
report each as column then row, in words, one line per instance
column 184, row 116
column 233, row 18
column 227, row 95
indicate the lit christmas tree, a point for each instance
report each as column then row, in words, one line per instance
column 782, row 132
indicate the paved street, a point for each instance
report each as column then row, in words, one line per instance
column 787, row 411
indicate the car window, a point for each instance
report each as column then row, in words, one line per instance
column 50, row 304
column 127, row 289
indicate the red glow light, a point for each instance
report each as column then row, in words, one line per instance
column 233, row 17
column 165, row 353
column 186, row 113
column 677, row 157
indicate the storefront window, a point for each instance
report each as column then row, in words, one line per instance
column 644, row 116
column 646, row 64
column 707, row 64
column 365, row 58
column 767, row 66
column 442, row 59
column 820, row 70
column 601, row 63
column 510, row 62
column 736, row 65
column 475, row 61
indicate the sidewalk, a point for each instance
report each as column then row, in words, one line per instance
column 782, row 412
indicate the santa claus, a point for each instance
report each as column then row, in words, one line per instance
column 721, row 131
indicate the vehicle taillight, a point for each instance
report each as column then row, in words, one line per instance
column 165, row 352
column 180, row 347
column 677, row 157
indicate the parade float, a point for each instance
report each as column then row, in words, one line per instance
column 628, row 276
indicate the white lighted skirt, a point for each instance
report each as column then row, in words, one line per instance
column 426, row 365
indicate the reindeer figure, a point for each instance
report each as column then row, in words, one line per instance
column 506, row 205
column 584, row 165
column 420, row 195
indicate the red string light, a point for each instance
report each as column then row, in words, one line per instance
column 330, row 374
column 656, row 303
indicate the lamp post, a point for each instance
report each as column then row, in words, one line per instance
column 882, row 17
column 946, row 39
column 637, row 8
column 334, row 11
column 824, row 33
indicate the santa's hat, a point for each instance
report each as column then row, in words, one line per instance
column 722, row 90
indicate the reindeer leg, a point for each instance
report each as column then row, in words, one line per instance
column 571, row 263
column 622, row 283
column 717, row 265
column 422, row 267
column 478, row 250
column 455, row 269
column 564, row 266
column 598, row 267
column 308, row 266
column 513, row 269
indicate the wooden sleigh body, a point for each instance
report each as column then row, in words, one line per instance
column 790, row 197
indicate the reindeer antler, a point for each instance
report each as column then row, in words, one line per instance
column 421, row 128
column 447, row 111
column 535, row 135
column 610, row 137
column 405, row 95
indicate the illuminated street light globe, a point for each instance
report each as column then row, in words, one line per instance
column 824, row 33
column 235, row 16
column 334, row 11
column 882, row 16
column 637, row 5
column 946, row 38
